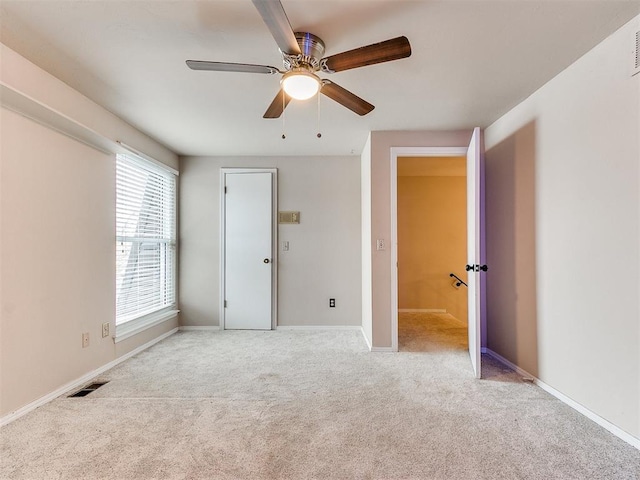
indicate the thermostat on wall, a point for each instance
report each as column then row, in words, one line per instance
column 288, row 217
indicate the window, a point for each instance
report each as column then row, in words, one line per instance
column 145, row 238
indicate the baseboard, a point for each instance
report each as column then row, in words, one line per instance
column 191, row 328
column 382, row 349
column 139, row 325
column 327, row 327
column 318, row 327
column 422, row 310
column 606, row 424
column 10, row 417
column 366, row 340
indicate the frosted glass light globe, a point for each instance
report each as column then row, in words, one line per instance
column 300, row 84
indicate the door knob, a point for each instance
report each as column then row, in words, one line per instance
column 476, row 268
column 266, row 260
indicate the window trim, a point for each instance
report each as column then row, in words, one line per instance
column 140, row 324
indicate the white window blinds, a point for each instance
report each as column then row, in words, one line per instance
column 145, row 238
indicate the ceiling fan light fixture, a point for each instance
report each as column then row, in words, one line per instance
column 300, row 84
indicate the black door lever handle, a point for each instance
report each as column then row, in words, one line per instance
column 476, row 268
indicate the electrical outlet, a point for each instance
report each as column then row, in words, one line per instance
column 85, row 340
column 105, row 329
column 332, row 303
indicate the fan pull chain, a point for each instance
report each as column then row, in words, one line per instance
column 319, row 135
column 284, row 136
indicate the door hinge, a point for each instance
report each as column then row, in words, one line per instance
column 225, row 189
column 225, row 304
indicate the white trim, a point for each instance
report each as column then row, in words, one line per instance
column 396, row 152
column 10, row 417
column 27, row 106
column 422, row 310
column 366, row 340
column 274, row 238
column 509, row 364
column 606, row 424
column 192, row 328
column 383, row 350
column 429, row 151
column 133, row 327
column 318, row 327
column 37, row 111
column 326, row 328
column 157, row 163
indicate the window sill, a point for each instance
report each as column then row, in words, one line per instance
column 133, row 327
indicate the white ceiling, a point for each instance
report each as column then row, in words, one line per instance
column 472, row 61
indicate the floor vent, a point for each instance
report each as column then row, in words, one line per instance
column 88, row 389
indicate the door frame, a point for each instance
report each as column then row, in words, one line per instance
column 407, row 152
column 224, row 171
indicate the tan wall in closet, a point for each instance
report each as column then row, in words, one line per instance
column 431, row 235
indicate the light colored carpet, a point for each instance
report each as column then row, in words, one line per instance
column 431, row 332
column 302, row 405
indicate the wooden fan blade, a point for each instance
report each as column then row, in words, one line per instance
column 231, row 67
column 274, row 16
column 386, row 51
column 277, row 106
column 345, row 98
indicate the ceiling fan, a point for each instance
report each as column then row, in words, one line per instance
column 302, row 55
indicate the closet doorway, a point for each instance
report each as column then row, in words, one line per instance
column 432, row 253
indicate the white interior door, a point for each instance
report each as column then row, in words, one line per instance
column 248, row 243
column 474, row 263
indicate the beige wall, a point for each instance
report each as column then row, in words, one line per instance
column 57, row 232
column 511, row 249
column 380, row 200
column 27, row 78
column 568, row 159
column 324, row 260
column 432, row 242
column 57, row 259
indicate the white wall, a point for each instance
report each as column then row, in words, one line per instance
column 585, row 156
column 324, row 260
column 57, row 240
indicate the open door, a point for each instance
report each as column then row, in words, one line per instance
column 475, row 229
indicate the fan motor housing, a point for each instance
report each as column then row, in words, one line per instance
column 312, row 48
